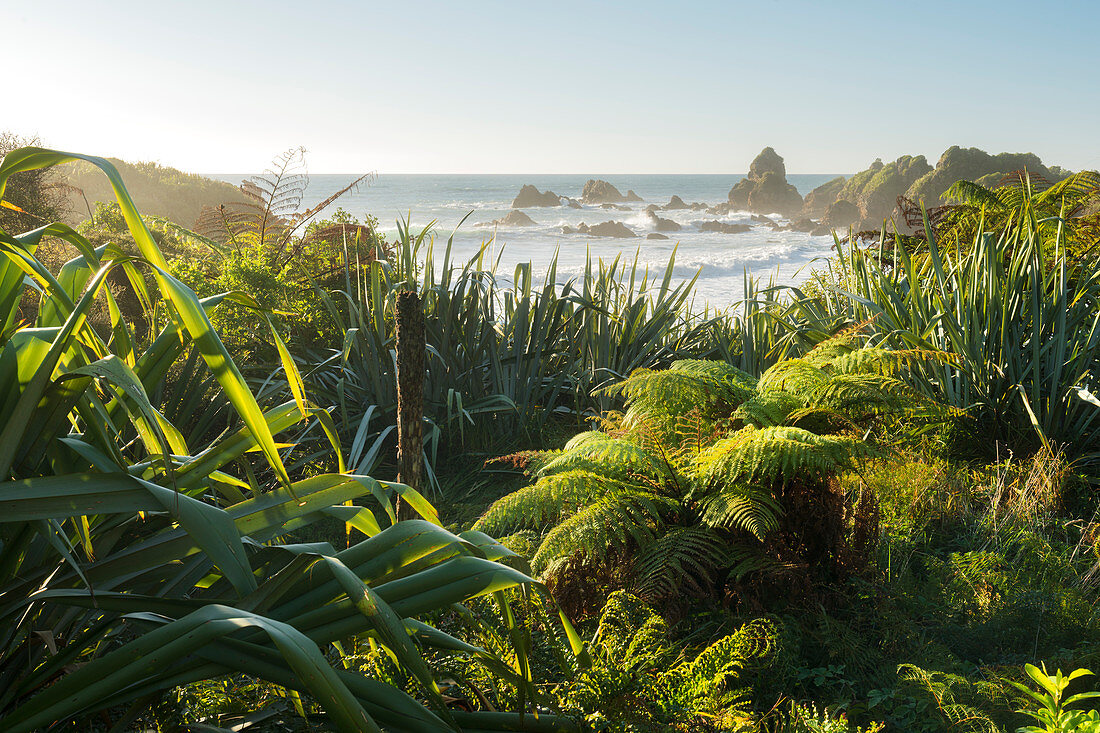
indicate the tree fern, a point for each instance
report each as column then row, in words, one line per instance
column 682, row 557
column 742, row 507
column 769, row 454
column 615, row 521
column 658, row 400
column 672, row 512
column 549, row 500
column 798, row 376
column 612, row 457
column 767, row 409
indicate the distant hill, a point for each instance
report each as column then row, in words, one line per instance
column 157, row 190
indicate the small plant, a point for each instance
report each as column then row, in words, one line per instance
column 1052, row 713
column 808, row 719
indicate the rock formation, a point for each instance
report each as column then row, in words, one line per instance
column 840, row 215
column 971, row 164
column 655, row 235
column 632, row 197
column 602, row 192
column 529, row 197
column 819, row 199
column 514, row 218
column 875, row 190
column 761, row 219
column 765, row 189
column 616, row 207
column 676, row 204
column 606, row 229
column 662, row 225
column 723, row 228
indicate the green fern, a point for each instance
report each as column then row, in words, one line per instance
column 686, row 487
column 549, row 500
column 682, row 557
column 611, row 457
column 615, row 521
column 769, row 454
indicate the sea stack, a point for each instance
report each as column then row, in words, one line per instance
column 765, row 189
column 530, row 197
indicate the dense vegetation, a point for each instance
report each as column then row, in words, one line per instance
column 864, row 504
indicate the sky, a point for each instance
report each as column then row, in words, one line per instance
column 551, row 87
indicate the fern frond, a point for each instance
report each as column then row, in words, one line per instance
column 767, row 409
column 721, row 664
column 973, row 194
column 886, row 362
column 774, row 453
column 860, row 395
column 709, row 388
column 684, row 556
column 550, row 499
column 797, row 376
column 615, row 521
column 742, row 507
column 613, row 457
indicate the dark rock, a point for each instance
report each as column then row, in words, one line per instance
column 761, row 219
column 722, row 209
column 573, row 204
column 655, row 235
column 601, row 192
column 819, row 199
column 765, row 189
column 675, row 203
column 653, row 207
column 632, row 197
column 616, row 207
column 606, row 229
column 802, row 225
column 529, row 197
column 724, row 228
column 662, row 225
column 840, row 215
column 514, row 218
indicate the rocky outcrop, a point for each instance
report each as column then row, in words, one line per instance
column 765, row 189
column 971, row 164
column 606, row 229
column 514, row 218
column 602, row 192
column 840, row 215
column 803, row 224
column 573, row 204
column 722, row 209
column 661, row 225
column 530, row 197
column 819, row 199
column 875, row 190
column 632, row 197
column 616, row 207
column 655, row 235
column 678, row 204
column 761, row 219
column 724, row 228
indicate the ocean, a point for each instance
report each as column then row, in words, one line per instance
column 719, row 259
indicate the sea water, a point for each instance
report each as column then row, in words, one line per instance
column 718, row 260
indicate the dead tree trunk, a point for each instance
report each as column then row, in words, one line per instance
column 409, row 316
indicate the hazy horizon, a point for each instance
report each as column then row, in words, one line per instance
column 497, row 88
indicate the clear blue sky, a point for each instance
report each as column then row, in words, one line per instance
column 552, row 87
